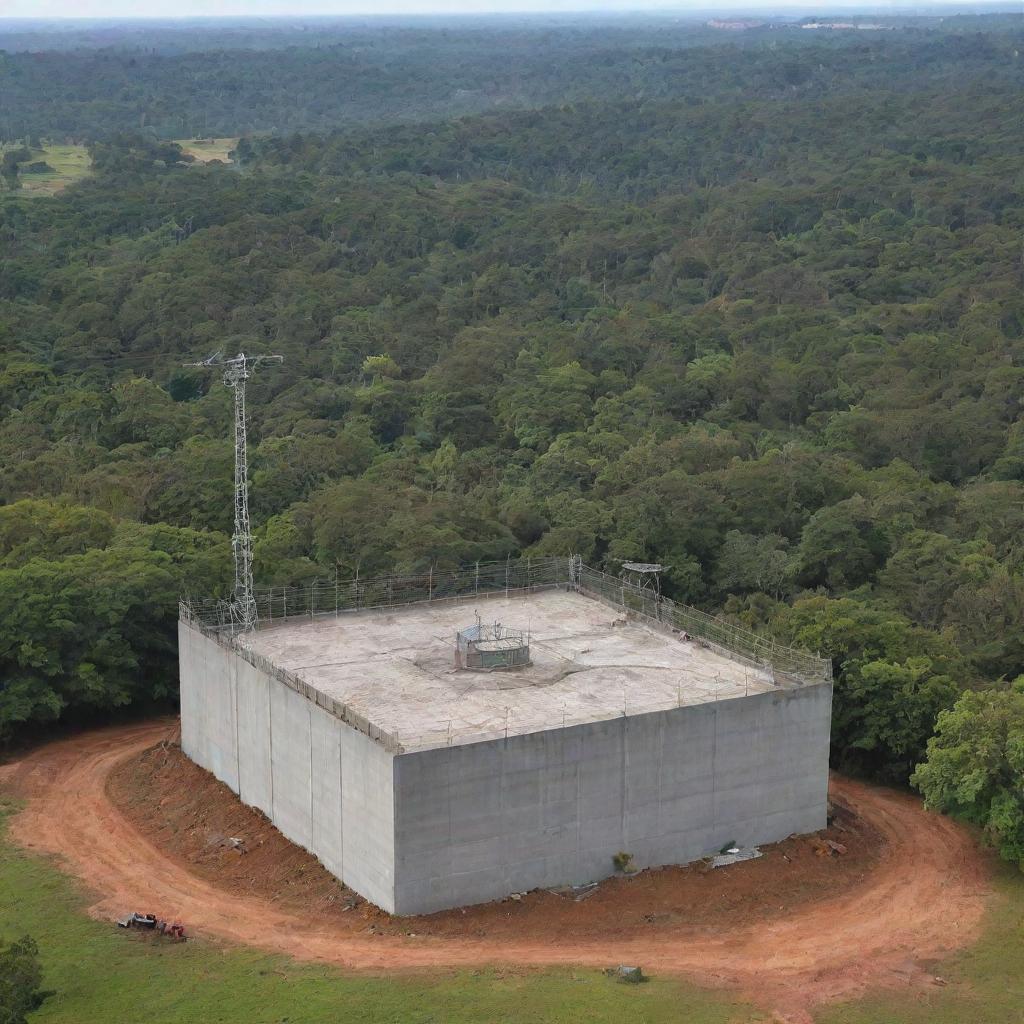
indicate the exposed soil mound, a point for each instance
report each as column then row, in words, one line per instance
column 188, row 814
column 185, row 811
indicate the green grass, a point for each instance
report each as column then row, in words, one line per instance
column 102, row 974
column 205, row 150
column 69, row 163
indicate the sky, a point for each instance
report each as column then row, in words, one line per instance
column 267, row 8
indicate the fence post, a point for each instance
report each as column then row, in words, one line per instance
column 476, row 579
column 430, row 583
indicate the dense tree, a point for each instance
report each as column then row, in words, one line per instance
column 892, row 680
column 841, row 546
column 184, row 81
column 21, row 978
column 87, row 623
column 975, row 766
column 749, row 563
column 786, row 361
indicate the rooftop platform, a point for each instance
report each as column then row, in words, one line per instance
column 396, row 668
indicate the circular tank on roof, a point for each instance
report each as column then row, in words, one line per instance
column 491, row 648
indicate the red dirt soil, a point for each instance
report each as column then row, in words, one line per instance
column 145, row 828
column 187, row 813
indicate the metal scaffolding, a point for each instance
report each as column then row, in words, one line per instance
column 644, row 575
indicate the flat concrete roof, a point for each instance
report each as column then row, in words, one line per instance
column 397, row 669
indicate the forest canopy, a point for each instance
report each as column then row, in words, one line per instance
column 754, row 311
column 175, row 80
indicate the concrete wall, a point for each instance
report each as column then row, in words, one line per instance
column 476, row 822
column 326, row 786
column 424, row 831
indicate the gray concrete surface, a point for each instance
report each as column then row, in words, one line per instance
column 397, row 668
column 476, row 822
column 707, row 752
column 325, row 785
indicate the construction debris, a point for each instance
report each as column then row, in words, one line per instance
column 827, row 847
column 735, row 856
column 627, row 975
column 575, row 892
column 150, row 922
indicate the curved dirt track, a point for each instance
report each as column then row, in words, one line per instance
column 925, row 897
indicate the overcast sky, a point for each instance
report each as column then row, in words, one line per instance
column 194, row 8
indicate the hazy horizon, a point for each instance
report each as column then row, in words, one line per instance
column 79, row 10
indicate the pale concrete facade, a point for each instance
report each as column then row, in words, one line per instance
column 417, row 820
column 326, row 786
column 476, row 822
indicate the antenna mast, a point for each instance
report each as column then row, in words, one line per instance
column 237, row 370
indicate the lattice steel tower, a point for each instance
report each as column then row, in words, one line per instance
column 237, row 371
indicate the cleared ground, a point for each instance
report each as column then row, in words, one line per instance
column 205, row 150
column 69, row 163
column 923, row 898
column 397, row 668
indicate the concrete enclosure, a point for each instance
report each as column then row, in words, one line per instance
column 423, row 785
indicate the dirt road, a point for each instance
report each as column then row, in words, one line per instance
column 924, row 898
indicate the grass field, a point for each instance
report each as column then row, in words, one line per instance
column 101, row 974
column 205, row 150
column 69, row 163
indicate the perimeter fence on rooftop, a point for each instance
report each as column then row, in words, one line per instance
column 731, row 640
column 274, row 605
column 281, row 605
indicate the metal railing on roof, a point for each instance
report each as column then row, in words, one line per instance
column 282, row 605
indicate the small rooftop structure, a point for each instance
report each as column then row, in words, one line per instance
column 491, row 648
column 645, row 575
